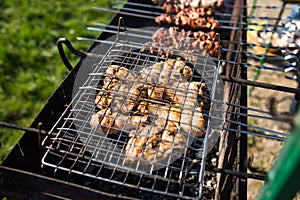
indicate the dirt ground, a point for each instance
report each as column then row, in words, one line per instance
column 263, row 150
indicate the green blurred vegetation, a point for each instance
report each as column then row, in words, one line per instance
column 30, row 67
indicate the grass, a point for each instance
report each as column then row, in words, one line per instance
column 30, row 67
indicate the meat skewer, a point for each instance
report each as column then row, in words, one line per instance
column 191, row 18
column 174, row 6
column 165, row 40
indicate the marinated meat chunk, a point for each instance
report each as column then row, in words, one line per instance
column 192, row 121
column 187, row 93
column 155, row 144
column 114, row 123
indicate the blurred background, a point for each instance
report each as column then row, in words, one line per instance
column 30, row 66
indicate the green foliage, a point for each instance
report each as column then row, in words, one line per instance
column 30, row 67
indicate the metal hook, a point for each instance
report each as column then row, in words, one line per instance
column 121, row 20
column 292, row 66
column 292, row 49
column 292, row 70
column 290, row 58
column 285, row 117
column 62, row 54
column 68, row 44
column 190, row 166
column 290, row 25
column 254, row 169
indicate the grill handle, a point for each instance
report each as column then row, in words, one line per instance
column 64, row 41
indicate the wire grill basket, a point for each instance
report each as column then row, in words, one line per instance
column 81, row 149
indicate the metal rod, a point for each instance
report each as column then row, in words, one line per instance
column 115, row 32
column 262, row 85
column 238, row 174
column 21, row 128
column 217, row 13
column 255, row 134
column 139, row 4
column 128, row 29
column 137, row 10
column 228, row 27
column 123, row 13
column 144, row 16
column 280, row 58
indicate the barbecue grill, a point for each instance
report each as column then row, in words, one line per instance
column 67, row 153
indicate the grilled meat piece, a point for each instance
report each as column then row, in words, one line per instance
column 154, row 144
column 134, row 147
column 170, row 113
column 125, row 98
column 183, row 69
column 192, row 122
column 105, row 119
column 142, row 108
column 188, row 93
column 113, row 123
column 119, row 89
column 167, row 73
column 189, row 114
column 161, row 147
column 218, row 5
column 138, row 140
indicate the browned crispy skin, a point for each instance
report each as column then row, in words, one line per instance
column 171, row 113
column 169, row 143
column 167, row 73
column 105, row 119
